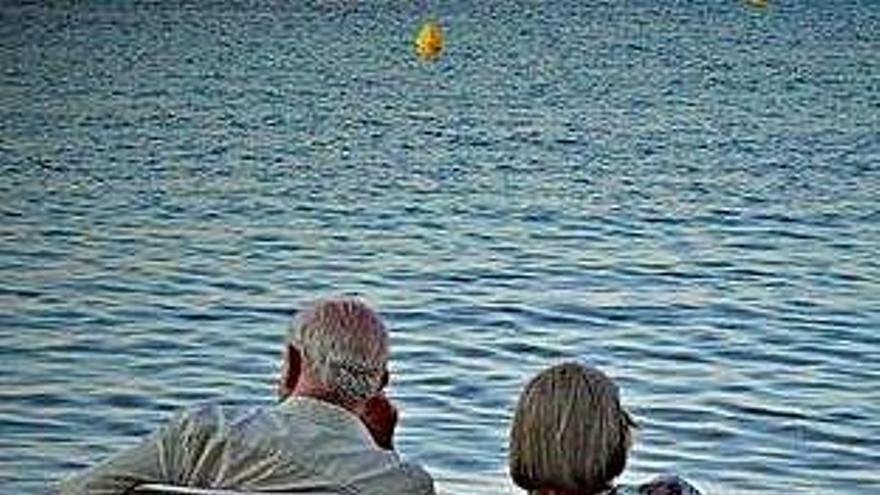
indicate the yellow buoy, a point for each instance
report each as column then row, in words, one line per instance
column 429, row 41
column 758, row 4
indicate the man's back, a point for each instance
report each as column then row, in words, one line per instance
column 304, row 445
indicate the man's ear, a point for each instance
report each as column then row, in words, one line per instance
column 385, row 379
column 290, row 371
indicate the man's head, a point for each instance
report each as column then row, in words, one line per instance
column 338, row 346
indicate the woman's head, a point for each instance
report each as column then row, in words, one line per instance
column 569, row 431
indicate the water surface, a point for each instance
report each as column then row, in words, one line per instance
column 687, row 195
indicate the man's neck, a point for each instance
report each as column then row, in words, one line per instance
column 322, row 394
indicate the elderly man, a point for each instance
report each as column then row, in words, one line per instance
column 331, row 434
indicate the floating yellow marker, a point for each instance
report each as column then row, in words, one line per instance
column 758, row 4
column 429, row 41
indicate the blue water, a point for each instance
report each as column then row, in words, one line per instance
column 686, row 194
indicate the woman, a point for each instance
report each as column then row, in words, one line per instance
column 570, row 436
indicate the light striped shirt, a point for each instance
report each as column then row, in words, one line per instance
column 303, row 445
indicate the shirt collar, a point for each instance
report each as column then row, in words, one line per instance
column 324, row 412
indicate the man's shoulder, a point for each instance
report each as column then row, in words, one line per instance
column 421, row 481
column 214, row 417
column 407, row 477
column 218, row 411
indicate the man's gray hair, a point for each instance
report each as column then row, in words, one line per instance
column 344, row 344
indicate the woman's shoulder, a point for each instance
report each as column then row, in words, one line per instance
column 667, row 484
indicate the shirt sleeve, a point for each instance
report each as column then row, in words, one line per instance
column 156, row 459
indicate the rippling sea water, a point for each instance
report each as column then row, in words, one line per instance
column 684, row 193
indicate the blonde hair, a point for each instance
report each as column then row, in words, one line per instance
column 569, row 431
column 344, row 344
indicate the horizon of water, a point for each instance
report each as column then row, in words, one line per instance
column 685, row 195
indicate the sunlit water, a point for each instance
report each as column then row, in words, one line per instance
column 687, row 196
